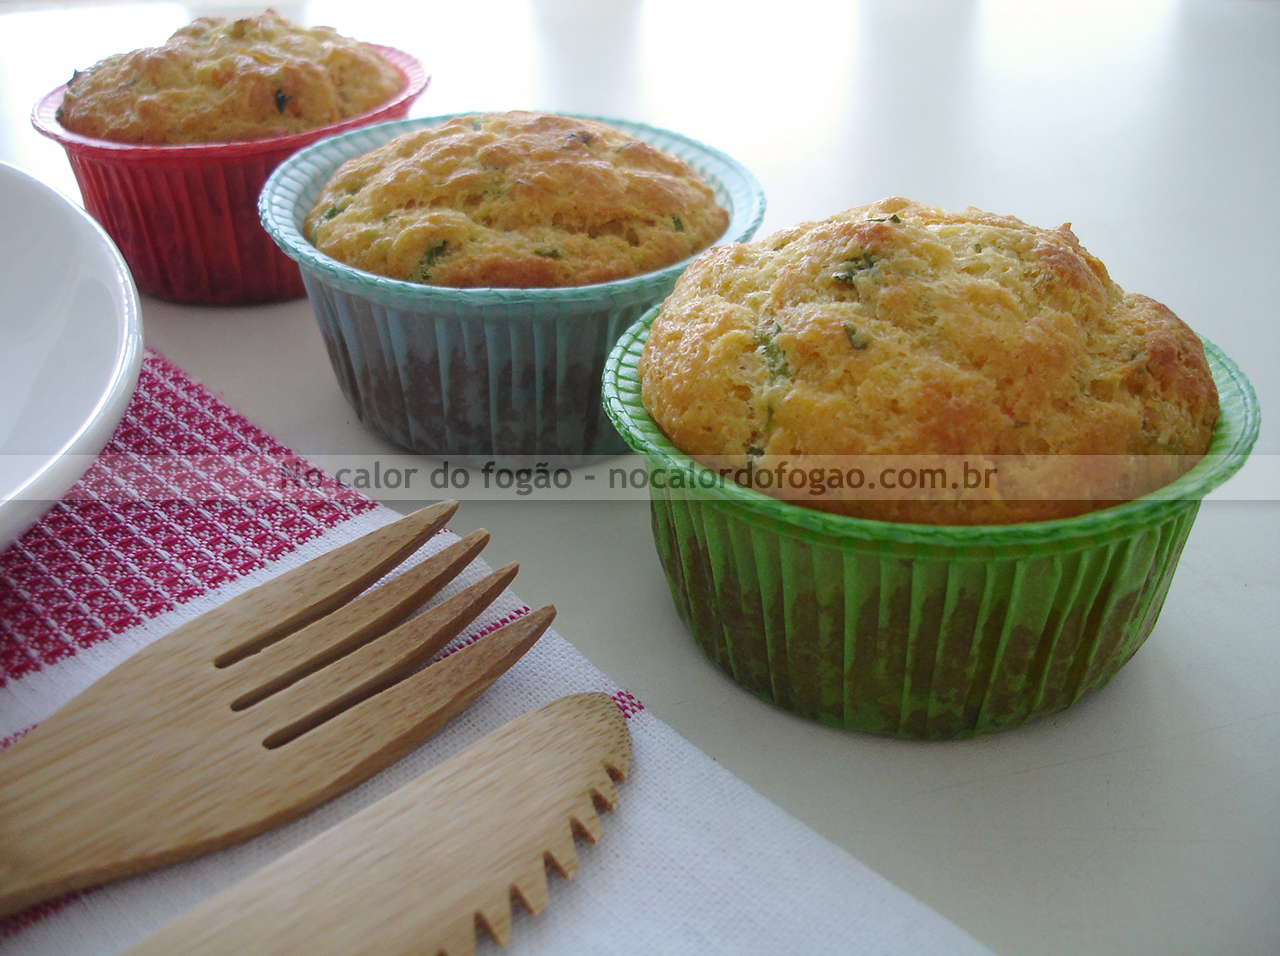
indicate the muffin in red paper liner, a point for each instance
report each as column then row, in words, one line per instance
column 185, row 215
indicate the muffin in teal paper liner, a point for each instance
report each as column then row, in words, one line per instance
column 480, row 371
column 911, row 630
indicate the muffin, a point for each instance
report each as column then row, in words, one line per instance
column 171, row 146
column 515, row 200
column 889, row 336
column 470, row 373
column 920, row 631
column 226, row 80
column 901, row 331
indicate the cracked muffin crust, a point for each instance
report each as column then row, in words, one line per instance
column 901, row 329
column 220, row 80
column 519, row 200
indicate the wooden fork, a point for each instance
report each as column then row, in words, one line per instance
column 253, row 713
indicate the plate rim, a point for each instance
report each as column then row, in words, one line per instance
column 23, row 505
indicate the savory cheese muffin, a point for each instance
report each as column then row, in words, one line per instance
column 517, row 200
column 899, row 329
column 228, row 80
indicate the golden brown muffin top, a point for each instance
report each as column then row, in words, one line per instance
column 901, row 329
column 226, row 80
column 517, row 200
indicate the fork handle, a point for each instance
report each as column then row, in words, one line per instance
column 55, row 837
column 23, row 883
column 42, row 853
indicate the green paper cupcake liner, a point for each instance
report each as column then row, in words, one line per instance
column 917, row 631
column 473, row 373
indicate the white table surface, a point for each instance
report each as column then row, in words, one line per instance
column 1146, row 820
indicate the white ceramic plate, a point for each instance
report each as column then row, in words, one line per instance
column 70, row 346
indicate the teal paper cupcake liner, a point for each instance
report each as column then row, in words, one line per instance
column 470, row 386
column 478, row 373
column 918, row 631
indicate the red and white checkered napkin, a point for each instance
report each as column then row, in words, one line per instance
column 693, row 861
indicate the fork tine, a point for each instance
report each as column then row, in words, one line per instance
column 381, row 729
column 297, row 597
column 354, row 624
column 378, row 664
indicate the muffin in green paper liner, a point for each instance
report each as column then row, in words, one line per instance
column 477, row 372
column 910, row 630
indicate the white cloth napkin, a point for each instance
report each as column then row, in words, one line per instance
column 692, row 861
